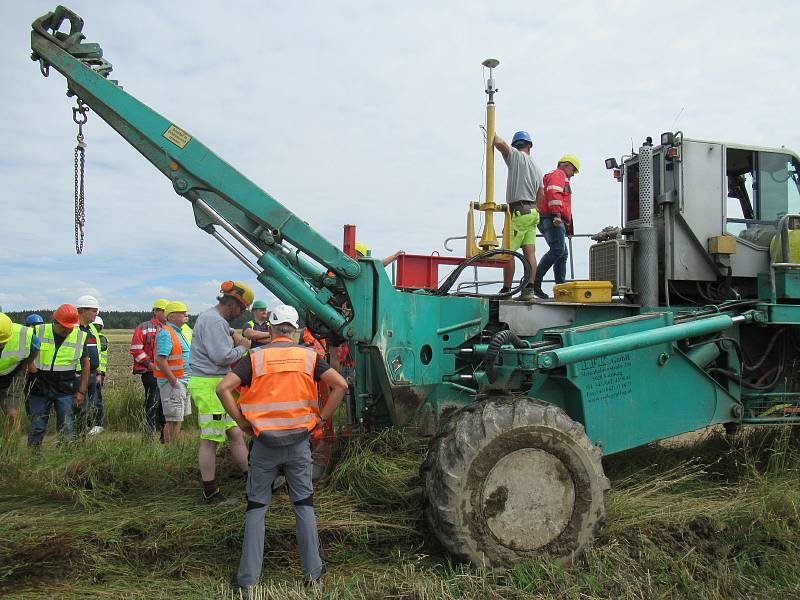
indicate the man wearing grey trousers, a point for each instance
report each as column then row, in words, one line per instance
column 279, row 407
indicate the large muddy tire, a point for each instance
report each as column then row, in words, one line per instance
column 512, row 478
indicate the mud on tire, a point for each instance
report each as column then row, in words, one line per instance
column 512, row 478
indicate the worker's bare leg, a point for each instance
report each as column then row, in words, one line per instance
column 508, row 273
column 238, row 447
column 207, row 459
column 12, row 419
column 171, row 431
column 529, row 251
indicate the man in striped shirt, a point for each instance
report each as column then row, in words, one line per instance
column 143, row 349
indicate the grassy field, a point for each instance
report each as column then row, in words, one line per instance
column 119, row 517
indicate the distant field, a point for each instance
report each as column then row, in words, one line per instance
column 120, row 360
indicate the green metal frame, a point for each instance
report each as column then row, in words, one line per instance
column 630, row 378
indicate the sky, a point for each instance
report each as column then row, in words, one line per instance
column 360, row 112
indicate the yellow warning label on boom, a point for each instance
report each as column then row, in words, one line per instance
column 177, row 136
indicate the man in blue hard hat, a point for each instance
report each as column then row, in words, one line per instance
column 523, row 191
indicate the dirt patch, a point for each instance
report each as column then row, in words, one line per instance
column 496, row 502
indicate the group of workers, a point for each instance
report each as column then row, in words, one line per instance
column 537, row 202
column 264, row 381
column 57, row 366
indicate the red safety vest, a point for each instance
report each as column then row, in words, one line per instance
column 557, row 198
column 175, row 357
column 282, row 394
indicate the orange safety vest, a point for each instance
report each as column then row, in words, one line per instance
column 318, row 345
column 175, row 358
column 282, row 396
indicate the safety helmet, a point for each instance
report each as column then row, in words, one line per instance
column 259, row 304
column 87, row 301
column 98, row 320
column 5, row 328
column 33, row 319
column 67, row 316
column 571, row 159
column 238, row 290
column 283, row 313
column 160, row 304
column 362, row 249
column 175, row 306
column 521, row 136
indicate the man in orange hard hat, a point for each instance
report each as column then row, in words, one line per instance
column 53, row 382
column 215, row 347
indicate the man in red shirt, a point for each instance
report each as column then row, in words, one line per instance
column 143, row 350
column 555, row 210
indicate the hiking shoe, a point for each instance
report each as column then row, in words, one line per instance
column 216, row 497
column 95, row 430
column 526, row 294
column 309, row 581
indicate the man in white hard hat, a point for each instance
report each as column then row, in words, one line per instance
column 99, row 407
column 88, row 307
column 278, row 406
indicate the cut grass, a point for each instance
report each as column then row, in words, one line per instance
column 119, row 517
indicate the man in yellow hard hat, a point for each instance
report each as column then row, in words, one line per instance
column 362, row 252
column 215, row 347
column 143, row 347
column 556, row 221
column 173, row 370
column 19, row 345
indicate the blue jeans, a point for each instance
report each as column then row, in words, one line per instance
column 83, row 415
column 39, row 415
column 99, row 409
column 556, row 256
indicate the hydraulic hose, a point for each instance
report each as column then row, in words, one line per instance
column 453, row 277
column 499, row 339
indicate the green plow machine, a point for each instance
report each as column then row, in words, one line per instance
column 522, row 399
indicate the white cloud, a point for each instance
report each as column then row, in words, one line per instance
column 352, row 112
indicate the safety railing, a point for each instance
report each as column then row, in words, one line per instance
column 476, row 283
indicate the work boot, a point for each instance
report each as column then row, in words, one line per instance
column 309, row 582
column 526, row 294
column 235, row 587
column 537, row 290
column 217, row 498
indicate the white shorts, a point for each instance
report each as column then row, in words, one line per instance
column 175, row 409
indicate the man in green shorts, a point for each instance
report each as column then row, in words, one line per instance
column 523, row 191
column 215, row 347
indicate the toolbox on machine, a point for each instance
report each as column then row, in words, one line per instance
column 582, row 291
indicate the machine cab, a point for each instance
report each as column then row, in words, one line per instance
column 715, row 208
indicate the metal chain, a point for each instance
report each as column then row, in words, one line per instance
column 80, row 165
